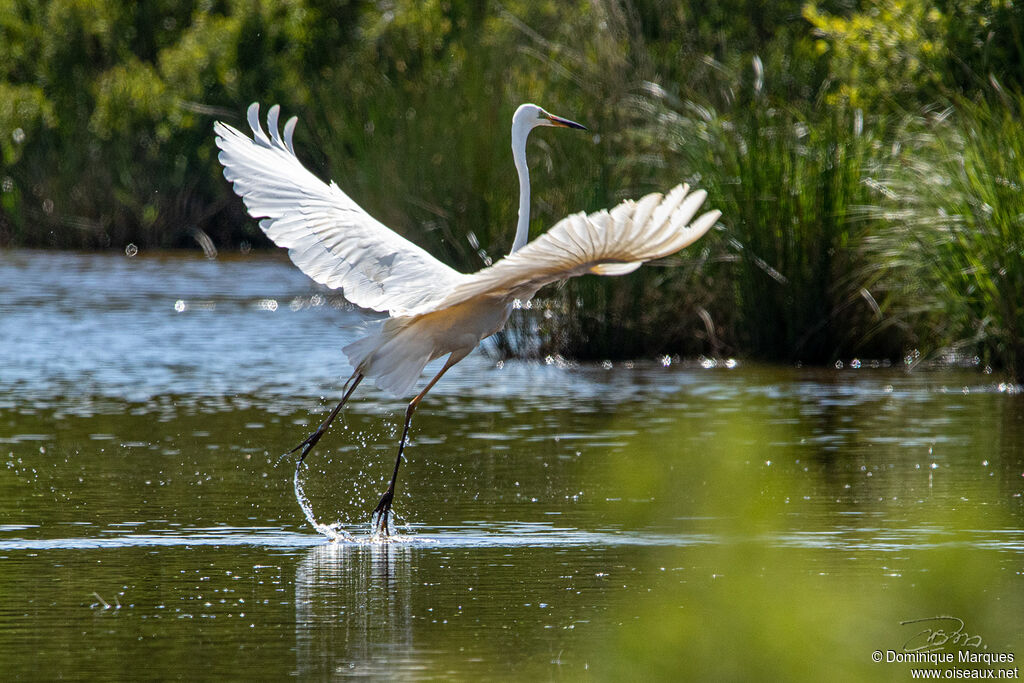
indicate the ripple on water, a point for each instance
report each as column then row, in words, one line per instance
column 484, row 534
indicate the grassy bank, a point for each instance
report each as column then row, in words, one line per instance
column 867, row 162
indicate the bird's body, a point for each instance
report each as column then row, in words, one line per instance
column 395, row 353
column 432, row 309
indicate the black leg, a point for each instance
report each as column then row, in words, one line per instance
column 313, row 438
column 383, row 508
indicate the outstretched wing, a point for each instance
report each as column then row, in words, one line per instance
column 330, row 237
column 612, row 242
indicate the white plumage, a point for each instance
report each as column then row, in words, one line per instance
column 330, row 237
column 433, row 309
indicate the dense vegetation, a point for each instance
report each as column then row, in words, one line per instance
column 868, row 156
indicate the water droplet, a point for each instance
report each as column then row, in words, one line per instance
column 267, row 305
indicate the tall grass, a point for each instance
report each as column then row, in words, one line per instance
column 784, row 277
column 953, row 238
column 790, row 184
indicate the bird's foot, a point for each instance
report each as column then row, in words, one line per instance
column 306, row 446
column 379, row 517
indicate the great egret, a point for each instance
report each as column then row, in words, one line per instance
column 433, row 310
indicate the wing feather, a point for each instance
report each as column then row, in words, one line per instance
column 330, row 237
column 604, row 243
column 644, row 208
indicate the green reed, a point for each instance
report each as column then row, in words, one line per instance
column 783, row 278
column 953, row 241
column 790, row 183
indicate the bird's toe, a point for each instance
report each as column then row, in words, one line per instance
column 379, row 518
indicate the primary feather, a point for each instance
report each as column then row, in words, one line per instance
column 330, row 237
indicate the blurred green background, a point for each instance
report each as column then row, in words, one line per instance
column 866, row 155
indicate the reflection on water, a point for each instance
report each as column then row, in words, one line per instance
column 353, row 610
column 680, row 520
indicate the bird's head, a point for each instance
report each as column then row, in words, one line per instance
column 530, row 116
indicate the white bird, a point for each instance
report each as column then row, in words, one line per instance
column 432, row 309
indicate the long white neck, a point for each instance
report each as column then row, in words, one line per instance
column 523, row 226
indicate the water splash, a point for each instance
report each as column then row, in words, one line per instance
column 334, row 530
